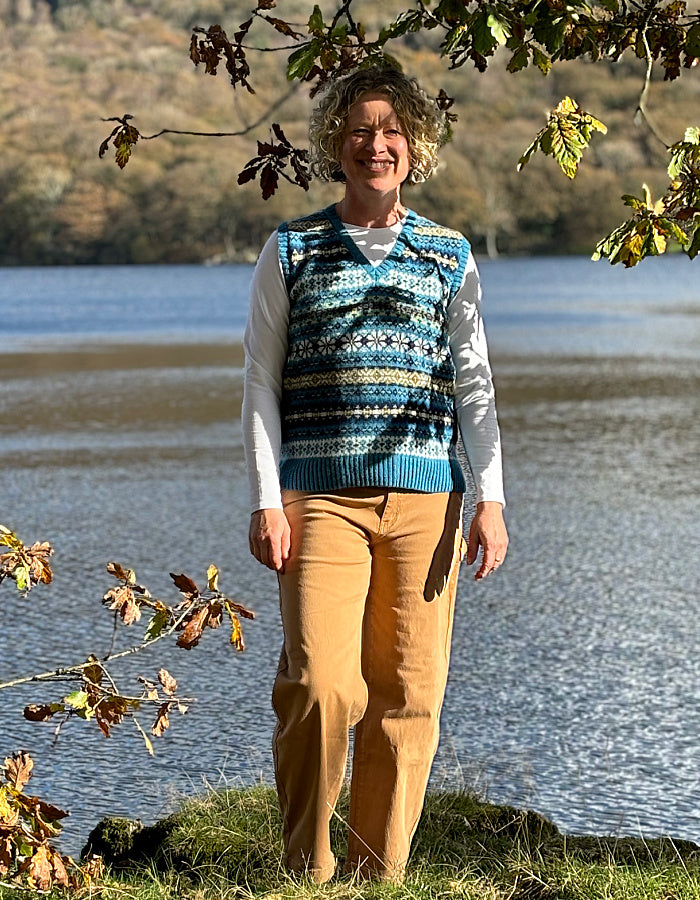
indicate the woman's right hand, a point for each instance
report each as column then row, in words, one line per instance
column 269, row 538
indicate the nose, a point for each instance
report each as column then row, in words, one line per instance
column 377, row 142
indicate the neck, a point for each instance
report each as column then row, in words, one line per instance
column 371, row 212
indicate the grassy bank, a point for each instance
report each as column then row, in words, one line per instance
column 226, row 845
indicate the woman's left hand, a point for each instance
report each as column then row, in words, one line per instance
column 488, row 530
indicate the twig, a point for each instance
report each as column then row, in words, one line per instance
column 66, row 672
column 641, row 111
column 260, row 121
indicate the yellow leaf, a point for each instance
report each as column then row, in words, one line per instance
column 236, row 633
column 213, row 578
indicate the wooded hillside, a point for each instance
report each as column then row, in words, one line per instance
column 67, row 63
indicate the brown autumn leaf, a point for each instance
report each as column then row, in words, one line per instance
column 6, row 854
column 123, row 600
column 60, row 873
column 92, row 868
column 36, row 712
column 109, row 712
column 115, row 569
column 40, row 870
column 240, row 609
column 42, row 829
column 162, row 722
column 168, row 682
column 184, row 584
column 192, row 631
column 216, row 614
column 39, row 567
column 268, row 181
column 18, row 769
column 49, row 812
column 93, row 673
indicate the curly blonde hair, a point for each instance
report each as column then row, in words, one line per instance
column 423, row 122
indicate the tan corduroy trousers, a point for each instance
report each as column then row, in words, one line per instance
column 367, row 600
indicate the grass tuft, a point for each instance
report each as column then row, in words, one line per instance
column 225, row 845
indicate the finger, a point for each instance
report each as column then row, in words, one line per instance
column 472, row 545
column 490, row 563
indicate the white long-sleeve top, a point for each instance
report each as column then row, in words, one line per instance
column 265, row 345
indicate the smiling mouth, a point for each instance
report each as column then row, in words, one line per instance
column 376, row 165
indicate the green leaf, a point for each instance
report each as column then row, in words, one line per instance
column 692, row 40
column 499, row 29
column 316, row 24
column 406, row 22
column 483, row 39
column 541, row 60
column 21, row 576
column 525, row 158
column 519, row 59
column 694, row 247
column 565, row 136
column 634, row 202
column 157, row 624
column 302, row 60
column 78, row 700
column 685, row 155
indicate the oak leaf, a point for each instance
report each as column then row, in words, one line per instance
column 168, row 682
column 35, row 712
column 162, row 722
column 110, row 712
column 184, row 584
column 6, row 854
column 40, row 870
column 18, row 769
column 192, row 631
column 123, row 600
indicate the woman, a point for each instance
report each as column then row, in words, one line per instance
column 364, row 352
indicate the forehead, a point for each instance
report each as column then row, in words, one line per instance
column 373, row 106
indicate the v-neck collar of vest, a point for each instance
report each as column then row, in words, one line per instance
column 393, row 257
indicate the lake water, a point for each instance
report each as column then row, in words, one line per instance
column 575, row 682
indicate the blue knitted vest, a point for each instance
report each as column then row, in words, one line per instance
column 368, row 385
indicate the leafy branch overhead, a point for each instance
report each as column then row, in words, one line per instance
column 515, row 33
column 674, row 217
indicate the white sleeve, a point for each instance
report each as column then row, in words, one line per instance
column 265, row 345
column 475, row 400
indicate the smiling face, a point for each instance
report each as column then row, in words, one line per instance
column 375, row 148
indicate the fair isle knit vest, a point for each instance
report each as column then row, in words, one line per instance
column 368, row 385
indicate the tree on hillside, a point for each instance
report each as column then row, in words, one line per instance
column 515, row 33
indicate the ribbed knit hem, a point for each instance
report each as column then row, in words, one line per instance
column 411, row 473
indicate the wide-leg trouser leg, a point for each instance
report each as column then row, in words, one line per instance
column 367, row 600
column 319, row 692
column 405, row 656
